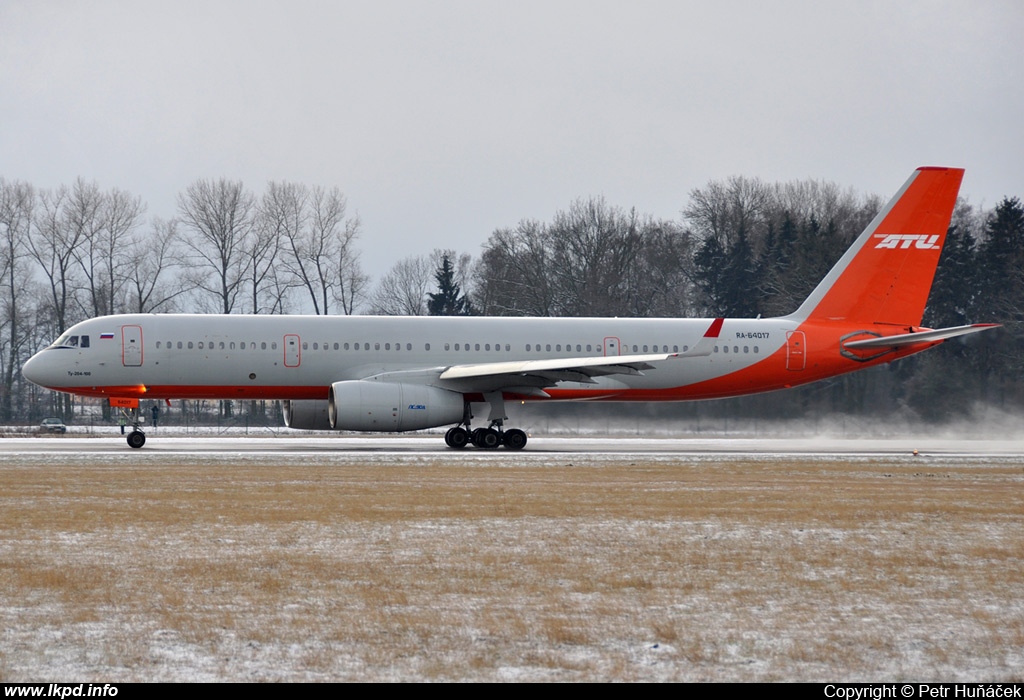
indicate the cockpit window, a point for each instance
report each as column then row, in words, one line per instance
column 71, row 341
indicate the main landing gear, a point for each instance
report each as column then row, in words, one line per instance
column 489, row 438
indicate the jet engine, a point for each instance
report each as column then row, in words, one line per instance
column 390, row 407
column 306, row 415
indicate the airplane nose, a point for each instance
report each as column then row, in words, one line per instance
column 34, row 371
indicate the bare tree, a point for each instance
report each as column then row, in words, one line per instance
column 283, row 211
column 219, row 215
column 16, row 202
column 319, row 243
column 352, row 283
column 722, row 209
column 52, row 245
column 261, row 247
column 151, row 257
column 515, row 276
column 123, row 213
column 402, row 291
column 592, row 260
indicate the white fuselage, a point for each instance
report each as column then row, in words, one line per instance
column 299, row 357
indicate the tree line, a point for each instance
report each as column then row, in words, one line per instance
column 741, row 247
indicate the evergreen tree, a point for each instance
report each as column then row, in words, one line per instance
column 954, row 291
column 449, row 299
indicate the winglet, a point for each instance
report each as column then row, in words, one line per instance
column 706, row 345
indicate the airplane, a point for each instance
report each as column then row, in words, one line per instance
column 396, row 374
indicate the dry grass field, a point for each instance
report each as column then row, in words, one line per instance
column 552, row 567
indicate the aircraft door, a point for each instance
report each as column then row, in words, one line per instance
column 292, row 351
column 611, row 347
column 796, row 358
column 131, row 346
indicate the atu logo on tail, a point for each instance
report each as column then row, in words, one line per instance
column 921, row 241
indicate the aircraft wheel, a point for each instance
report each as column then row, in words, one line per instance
column 515, row 439
column 136, row 439
column 487, row 438
column 456, row 438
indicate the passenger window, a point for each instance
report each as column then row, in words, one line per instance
column 477, row 347
column 231, row 345
column 263, row 346
column 345, row 346
column 179, row 345
column 158, row 345
column 190, row 345
column 527, row 347
column 387, row 346
column 376, row 346
column 548, row 347
column 426, row 346
column 305, row 346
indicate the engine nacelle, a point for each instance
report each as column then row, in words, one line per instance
column 391, row 408
column 307, row 415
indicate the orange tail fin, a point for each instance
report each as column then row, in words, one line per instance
column 886, row 275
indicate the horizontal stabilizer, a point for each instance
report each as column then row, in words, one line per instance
column 893, row 341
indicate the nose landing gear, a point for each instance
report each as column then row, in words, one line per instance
column 136, row 438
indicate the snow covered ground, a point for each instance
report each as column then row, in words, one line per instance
column 369, row 558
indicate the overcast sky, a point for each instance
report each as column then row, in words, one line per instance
column 442, row 121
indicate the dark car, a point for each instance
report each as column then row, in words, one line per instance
column 52, row 425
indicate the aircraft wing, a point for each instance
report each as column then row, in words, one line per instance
column 922, row 337
column 578, row 369
column 571, row 368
